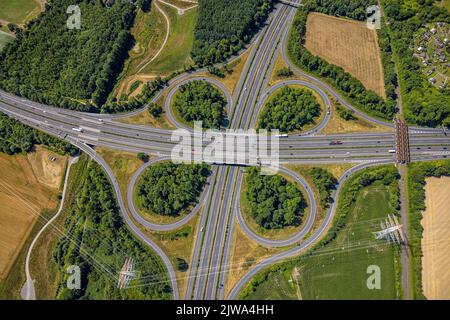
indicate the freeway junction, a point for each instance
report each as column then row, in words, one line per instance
column 219, row 203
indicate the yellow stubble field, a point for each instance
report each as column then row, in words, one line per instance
column 348, row 44
column 28, row 184
column 435, row 241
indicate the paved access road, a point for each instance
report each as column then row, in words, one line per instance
column 220, row 200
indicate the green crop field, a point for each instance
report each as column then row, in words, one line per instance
column 177, row 52
column 339, row 270
column 4, row 39
column 18, row 11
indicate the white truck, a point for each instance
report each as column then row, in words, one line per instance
column 78, row 130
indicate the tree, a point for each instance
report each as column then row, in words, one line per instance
column 155, row 110
column 182, row 265
column 143, row 157
column 285, row 72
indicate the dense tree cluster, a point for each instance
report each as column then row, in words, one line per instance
column 70, row 68
column 200, row 101
column 367, row 100
column 290, row 110
column 224, row 26
column 167, row 188
column 98, row 242
column 284, row 72
column 18, row 138
column 274, row 202
column 325, row 182
column 425, row 105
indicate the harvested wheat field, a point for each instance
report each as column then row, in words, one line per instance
column 28, row 184
column 436, row 239
column 347, row 44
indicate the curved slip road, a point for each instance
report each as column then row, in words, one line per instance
column 161, row 227
column 131, row 225
column 311, row 215
column 175, row 88
column 321, row 231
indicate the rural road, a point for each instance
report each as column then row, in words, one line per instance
column 28, row 291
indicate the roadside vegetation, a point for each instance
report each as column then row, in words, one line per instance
column 69, row 68
column 167, row 188
column 325, row 183
column 225, row 26
column 366, row 100
column 99, row 243
column 336, row 267
column 16, row 137
column 424, row 104
column 290, row 110
column 274, row 202
column 417, row 172
column 200, row 101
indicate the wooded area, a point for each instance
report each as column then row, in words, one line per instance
column 69, row 68
column 201, row 101
column 290, row 110
column 225, row 26
column 16, row 137
column 98, row 242
column 274, row 202
column 167, row 188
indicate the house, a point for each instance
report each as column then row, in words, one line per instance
column 432, row 80
column 433, row 30
column 420, row 49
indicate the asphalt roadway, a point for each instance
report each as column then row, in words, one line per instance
column 220, row 199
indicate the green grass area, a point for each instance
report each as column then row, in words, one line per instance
column 337, row 268
column 177, row 52
column 284, row 284
column 5, row 38
column 340, row 271
column 18, row 11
